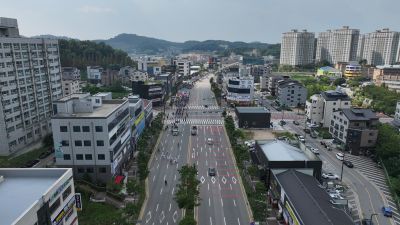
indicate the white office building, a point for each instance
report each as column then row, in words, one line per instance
column 71, row 87
column 30, row 80
column 92, row 135
column 182, row 66
column 240, row 90
column 37, row 196
column 321, row 106
column 297, row 48
column 339, row 45
column 380, row 47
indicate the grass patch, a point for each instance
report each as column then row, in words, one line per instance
column 119, row 95
column 300, row 77
column 19, row 161
column 285, row 134
column 323, row 132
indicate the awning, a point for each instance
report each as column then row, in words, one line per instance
column 119, row 179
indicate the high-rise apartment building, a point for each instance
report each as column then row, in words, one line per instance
column 339, row 45
column 30, row 80
column 380, row 47
column 297, row 48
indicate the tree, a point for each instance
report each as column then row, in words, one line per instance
column 188, row 193
column 339, row 81
column 48, row 140
column 131, row 186
column 188, row 220
column 363, row 62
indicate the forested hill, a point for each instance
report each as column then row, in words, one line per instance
column 85, row 53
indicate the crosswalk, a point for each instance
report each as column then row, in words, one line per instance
column 198, row 121
column 200, row 107
column 376, row 175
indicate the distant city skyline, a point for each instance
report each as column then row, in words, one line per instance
column 182, row 20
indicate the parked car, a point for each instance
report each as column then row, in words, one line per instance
column 31, row 163
column 348, row 164
column 323, row 143
column 209, row 141
column 307, row 131
column 313, row 135
column 212, row 172
column 387, row 211
column 250, row 143
column 340, row 156
column 367, row 222
column 282, row 122
column 295, row 122
column 330, row 176
column 336, row 196
column 44, row 154
column 301, row 138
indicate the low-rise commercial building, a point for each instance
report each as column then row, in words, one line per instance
column 291, row 93
column 353, row 70
column 240, row 90
column 321, row 106
column 300, row 200
column 388, row 76
column 150, row 90
column 70, row 87
column 38, row 196
column 91, row 135
column 275, row 154
column 356, row 129
column 182, row 66
column 94, row 74
column 110, row 77
column 329, row 72
column 253, row 117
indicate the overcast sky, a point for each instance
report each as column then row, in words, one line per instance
column 181, row 20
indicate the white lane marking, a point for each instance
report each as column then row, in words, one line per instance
column 223, row 153
column 148, row 216
column 216, row 163
column 209, row 202
column 238, row 221
column 173, row 189
column 170, row 205
column 222, row 203
column 210, row 221
column 158, row 165
column 224, row 221
column 154, row 177
column 174, row 216
column 175, row 177
column 208, row 186
column 161, row 191
column 177, row 165
column 201, row 149
column 206, row 154
column 231, row 186
column 219, row 185
column 234, row 202
column 167, row 165
column 206, row 162
column 225, row 163
column 165, row 176
column 197, row 162
column 227, row 172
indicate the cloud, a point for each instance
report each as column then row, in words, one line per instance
column 95, row 9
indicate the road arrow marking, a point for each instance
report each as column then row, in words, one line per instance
column 175, row 216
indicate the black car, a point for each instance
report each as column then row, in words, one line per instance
column 212, row 172
column 348, row 164
column 367, row 222
column 295, row 122
column 308, row 131
column 31, row 163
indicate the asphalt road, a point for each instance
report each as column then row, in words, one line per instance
column 222, row 197
column 368, row 197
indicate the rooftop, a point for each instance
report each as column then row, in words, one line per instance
column 276, row 150
column 288, row 82
column 301, row 188
column 21, row 189
column 355, row 114
column 106, row 109
column 332, row 95
column 73, row 96
column 329, row 69
column 252, row 110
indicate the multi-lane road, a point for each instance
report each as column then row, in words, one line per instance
column 223, row 200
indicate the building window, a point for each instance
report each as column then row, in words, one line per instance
column 102, row 170
column 54, row 206
column 334, row 103
column 101, row 157
column 88, row 156
column 76, row 128
column 99, row 129
column 79, row 157
column 89, row 170
column 346, row 103
column 67, row 192
column 371, row 134
column 99, row 143
column 63, row 129
column 87, row 143
column 64, row 143
column 67, row 157
column 85, row 129
column 81, row 170
column 78, row 143
column 370, row 141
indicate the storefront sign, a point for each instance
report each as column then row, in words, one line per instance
column 139, row 118
column 59, row 189
column 291, row 213
column 69, row 206
column 78, row 201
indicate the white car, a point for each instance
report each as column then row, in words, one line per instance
column 209, row 141
column 330, row 176
column 314, row 150
column 250, row 143
column 340, row 156
column 335, row 196
column 301, row 138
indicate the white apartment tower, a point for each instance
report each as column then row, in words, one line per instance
column 297, row 48
column 380, row 47
column 30, row 80
column 339, row 45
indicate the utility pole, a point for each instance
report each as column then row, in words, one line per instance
column 341, row 173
